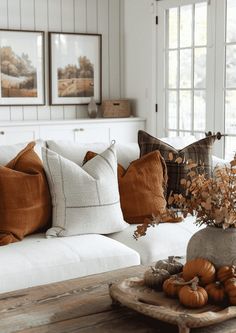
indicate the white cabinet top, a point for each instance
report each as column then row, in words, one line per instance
column 74, row 121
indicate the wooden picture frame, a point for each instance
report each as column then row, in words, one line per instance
column 22, row 67
column 75, row 68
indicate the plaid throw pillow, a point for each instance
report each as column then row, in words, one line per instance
column 199, row 152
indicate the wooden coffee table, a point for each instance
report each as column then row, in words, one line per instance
column 82, row 305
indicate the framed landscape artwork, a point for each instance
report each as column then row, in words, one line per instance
column 75, row 68
column 22, row 67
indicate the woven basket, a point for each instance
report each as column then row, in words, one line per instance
column 116, row 108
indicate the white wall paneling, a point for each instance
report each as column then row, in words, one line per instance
column 138, row 56
column 92, row 16
column 114, row 49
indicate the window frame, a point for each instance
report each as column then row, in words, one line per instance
column 216, row 60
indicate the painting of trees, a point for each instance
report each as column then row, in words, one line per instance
column 76, row 80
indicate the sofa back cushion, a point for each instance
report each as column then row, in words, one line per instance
column 25, row 205
column 8, row 152
column 141, row 186
column 199, row 152
column 126, row 153
column 85, row 199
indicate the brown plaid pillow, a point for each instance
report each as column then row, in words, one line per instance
column 199, row 152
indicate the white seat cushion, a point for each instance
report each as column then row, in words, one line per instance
column 37, row 260
column 162, row 241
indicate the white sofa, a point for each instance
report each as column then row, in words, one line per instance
column 37, row 260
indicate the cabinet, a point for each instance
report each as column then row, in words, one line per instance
column 14, row 134
column 77, row 132
column 81, row 130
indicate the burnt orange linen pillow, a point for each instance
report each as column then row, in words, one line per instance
column 141, row 187
column 25, row 204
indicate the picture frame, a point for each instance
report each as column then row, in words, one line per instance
column 22, row 77
column 75, row 68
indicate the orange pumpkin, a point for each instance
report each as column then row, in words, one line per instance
column 193, row 296
column 201, row 268
column 226, row 272
column 230, row 288
column 171, row 286
column 216, row 292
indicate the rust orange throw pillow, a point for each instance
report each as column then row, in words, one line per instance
column 141, row 186
column 25, row 205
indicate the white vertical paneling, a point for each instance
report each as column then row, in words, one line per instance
column 92, row 25
column 4, row 110
column 80, row 20
column 41, row 23
column 4, row 113
column 27, row 23
column 68, row 25
column 54, row 15
column 92, row 16
column 114, row 48
column 16, row 113
column 80, row 15
column 55, row 24
column 122, row 40
column 14, row 17
column 3, row 14
column 57, row 112
column 68, row 15
column 69, row 111
column 27, row 14
column 14, row 22
column 41, row 15
column 103, row 24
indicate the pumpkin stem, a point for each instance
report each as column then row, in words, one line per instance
column 172, row 259
column 156, row 271
column 194, row 282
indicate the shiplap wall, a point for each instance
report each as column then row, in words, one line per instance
column 92, row 16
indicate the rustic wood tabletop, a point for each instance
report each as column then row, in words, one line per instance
column 82, row 305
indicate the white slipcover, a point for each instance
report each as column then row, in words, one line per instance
column 37, row 260
column 166, row 239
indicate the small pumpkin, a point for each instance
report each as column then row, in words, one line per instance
column 154, row 278
column 230, row 288
column 172, row 286
column 200, row 267
column 216, row 292
column 226, row 272
column 193, row 296
column 171, row 265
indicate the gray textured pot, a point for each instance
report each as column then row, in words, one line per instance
column 215, row 244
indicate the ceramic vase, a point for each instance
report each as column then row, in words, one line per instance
column 92, row 108
column 215, row 244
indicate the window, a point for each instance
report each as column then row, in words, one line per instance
column 196, row 69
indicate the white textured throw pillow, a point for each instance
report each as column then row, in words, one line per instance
column 85, row 199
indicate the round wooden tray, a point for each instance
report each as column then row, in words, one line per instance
column 135, row 295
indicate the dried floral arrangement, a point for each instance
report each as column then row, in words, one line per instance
column 211, row 199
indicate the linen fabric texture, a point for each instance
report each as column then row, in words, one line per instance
column 25, row 205
column 141, row 187
column 85, row 199
column 199, row 152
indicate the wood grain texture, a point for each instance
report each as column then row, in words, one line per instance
column 65, row 16
column 134, row 294
column 82, row 305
